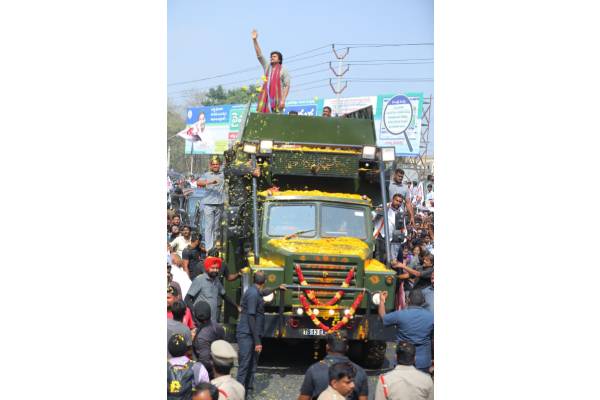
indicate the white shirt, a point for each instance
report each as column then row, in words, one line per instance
column 391, row 221
column 181, row 277
column 180, row 243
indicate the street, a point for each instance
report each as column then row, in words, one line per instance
column 282, row 366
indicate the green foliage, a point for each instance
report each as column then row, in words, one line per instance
column 218, row 96
column 175, row 123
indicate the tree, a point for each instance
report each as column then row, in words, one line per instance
column 218, row 96
column 175, row 123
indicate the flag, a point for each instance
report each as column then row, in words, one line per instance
column 191, row 133
column 420, row 196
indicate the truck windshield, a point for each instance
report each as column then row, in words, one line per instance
column 288, row 219
column 343, row 221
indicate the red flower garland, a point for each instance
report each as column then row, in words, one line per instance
column 337, row 326
column 311, row 294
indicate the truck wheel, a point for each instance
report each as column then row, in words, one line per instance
column 374, row 354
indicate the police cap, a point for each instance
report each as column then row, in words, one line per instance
column 223, row 353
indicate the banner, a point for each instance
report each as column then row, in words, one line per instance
column 212, row 127
column 397, row 121
column 302, row 107
column 349, row 104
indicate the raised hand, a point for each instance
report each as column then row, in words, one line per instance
column 254, row 34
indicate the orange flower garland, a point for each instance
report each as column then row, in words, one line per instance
column 311, row 293
column 337, row 326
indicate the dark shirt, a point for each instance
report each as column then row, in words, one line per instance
column 425, row 279
column 252, row 304
column 414, row 325
column 204, row 338
column 239, row 179
column 196, row 265
column 316, row 378
column 203, row 288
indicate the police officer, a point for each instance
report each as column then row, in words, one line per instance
column 404, row 381
column 213, row 181
column 223, row 355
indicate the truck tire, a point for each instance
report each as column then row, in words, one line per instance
column 374, row 354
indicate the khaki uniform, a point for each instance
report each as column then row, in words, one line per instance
column 229, row 388
column 404, row 382
column 331, row 394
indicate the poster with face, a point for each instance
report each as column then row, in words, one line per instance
column 210, row 124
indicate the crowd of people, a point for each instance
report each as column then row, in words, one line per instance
column 200, row 359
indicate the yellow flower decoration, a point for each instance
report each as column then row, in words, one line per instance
column 245, row 88
column 264, row 78
column 258, row 88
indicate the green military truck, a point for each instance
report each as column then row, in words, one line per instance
column 308, row 223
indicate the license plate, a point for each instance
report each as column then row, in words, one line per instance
column 313, row 332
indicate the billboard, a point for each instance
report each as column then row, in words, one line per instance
column 397, row 120
column 215, row 131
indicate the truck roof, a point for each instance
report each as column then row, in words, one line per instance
column 307, row 129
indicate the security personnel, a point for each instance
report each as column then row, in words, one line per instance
column 223, row 355
column 250, row 331
column 316, row 379
column 213, row 181
column 404, row 381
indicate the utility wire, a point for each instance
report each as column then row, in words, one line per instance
column 357, row 45
column 355, row 63
column 253, row 68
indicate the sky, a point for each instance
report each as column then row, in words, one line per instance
column 206, row 39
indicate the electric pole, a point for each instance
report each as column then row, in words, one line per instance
column 339, row 75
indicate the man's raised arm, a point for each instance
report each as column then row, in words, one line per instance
column 261, row 59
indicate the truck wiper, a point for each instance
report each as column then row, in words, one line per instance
column 291, row 235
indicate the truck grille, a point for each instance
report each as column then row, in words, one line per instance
column 325, row 275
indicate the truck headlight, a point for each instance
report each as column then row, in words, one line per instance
column 250, row 148
column 376, row 299
column 266, row 146
column 369, row 152
column 269, row 298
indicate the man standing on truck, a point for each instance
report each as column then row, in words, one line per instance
column 396, row 186
column 213, row 181
column 276, row 80
column 395, row 212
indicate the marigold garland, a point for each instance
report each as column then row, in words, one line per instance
column 311, row 294
column 315, row 320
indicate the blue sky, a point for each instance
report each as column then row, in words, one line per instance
column 213, row 38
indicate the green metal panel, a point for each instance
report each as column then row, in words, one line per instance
column 304, row 129
column 315, row 164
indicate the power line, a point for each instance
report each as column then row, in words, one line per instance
column 308, row 51
column 394, row 60
column 247, row 80
column 252, row 68
column 295, row 59
column 357, row 45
